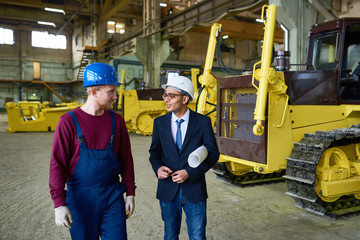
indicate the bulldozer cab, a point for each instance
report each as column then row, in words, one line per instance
column 308, row 126
column 350, row 71
column 335, row 46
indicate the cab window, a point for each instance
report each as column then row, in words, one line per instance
column 325, row 52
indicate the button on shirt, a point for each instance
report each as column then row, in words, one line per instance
column 183, row 125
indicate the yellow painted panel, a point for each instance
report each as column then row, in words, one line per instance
column 279, row 135
column 305, row 116
column 341, row 187
column 309, row 119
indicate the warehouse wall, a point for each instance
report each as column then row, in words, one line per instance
column 17, row 64
column 22, row 55
column 83, row 36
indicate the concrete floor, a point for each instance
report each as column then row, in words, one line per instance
column 251, row 213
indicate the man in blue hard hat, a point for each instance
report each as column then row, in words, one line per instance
column 175, row 136
column 91, row 148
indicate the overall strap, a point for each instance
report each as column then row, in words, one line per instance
column 77, row 126
column 112, row 116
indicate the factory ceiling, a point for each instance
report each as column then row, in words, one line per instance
column 26, row 14
column 29, row 12
column 238, row 22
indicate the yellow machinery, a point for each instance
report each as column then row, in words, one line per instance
column 27, row 116
column 140, row 107
column 207, row 95
column 306, row 122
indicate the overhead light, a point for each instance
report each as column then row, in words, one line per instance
column 225, row 36
column 121, row 26
column 55, row 10
column 47, row 23
column 163, row 5
column 122, row 31
column 259, row 20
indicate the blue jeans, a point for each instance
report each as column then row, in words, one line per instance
column 195, row 217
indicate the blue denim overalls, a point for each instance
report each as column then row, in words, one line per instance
column 94, row 193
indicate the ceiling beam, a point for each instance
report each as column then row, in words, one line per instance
column 206, row 12
column 244, row 31
column 324, row 9
column 29, row 14
column 107, row 6
column 248, row 31
column 124, row 16
column 26, row 3
column 72, row 16
column 69, row 8
column 108, row 13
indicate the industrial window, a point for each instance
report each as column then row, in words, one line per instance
column 115, row 27
column 46, row 40
column 6, row 36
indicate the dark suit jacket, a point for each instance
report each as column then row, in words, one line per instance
column 163, row 152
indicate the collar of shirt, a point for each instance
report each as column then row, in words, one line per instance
column 183, row 125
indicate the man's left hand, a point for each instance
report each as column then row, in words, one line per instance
column 180, row 176
column 129, row 206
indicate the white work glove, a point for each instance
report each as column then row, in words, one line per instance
column 63, row 217
column 129, row 206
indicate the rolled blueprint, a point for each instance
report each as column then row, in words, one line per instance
column 197, row 156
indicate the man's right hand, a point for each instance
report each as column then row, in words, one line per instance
column 164, row 172
column 63, row 217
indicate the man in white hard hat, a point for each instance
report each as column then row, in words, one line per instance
column 175, row 136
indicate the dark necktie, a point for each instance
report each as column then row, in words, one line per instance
column 178, row 134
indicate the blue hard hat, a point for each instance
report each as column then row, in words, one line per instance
column 99, row 74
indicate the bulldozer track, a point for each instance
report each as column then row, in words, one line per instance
column 301, row 171
column 250, row 178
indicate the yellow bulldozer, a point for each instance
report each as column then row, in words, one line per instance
column 141, row 106
column 34, row 116
column 303, row 122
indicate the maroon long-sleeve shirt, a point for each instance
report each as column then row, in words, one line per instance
column 97, row 131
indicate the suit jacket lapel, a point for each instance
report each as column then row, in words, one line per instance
column 167, row 129
column 190, row 128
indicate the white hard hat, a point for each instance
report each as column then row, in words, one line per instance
column 181, row 83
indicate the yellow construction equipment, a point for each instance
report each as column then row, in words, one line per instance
column 27, row 116
column 140, row 107
column 306, row 122
column 206, row 99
